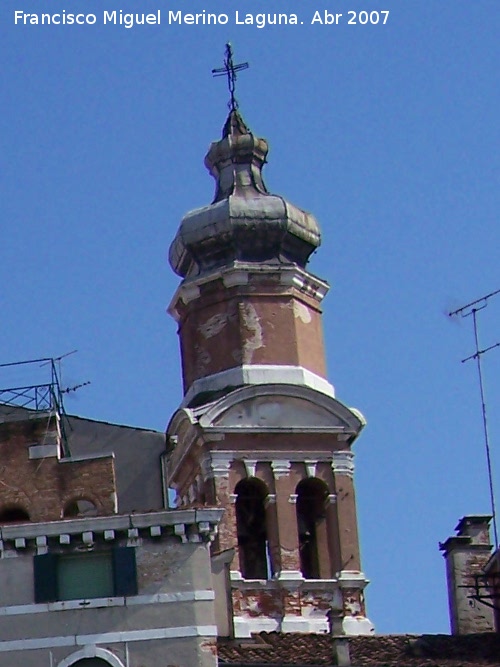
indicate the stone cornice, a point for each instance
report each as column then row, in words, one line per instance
column 238, row 274
column 188, row 525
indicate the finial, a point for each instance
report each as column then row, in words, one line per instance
column 230, row 70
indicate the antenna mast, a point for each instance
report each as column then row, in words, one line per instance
column 471, row 310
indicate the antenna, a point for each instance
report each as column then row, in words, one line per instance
column 471, row 310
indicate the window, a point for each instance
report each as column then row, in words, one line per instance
column 14, row 514
column 80, row 507
column 98, row 574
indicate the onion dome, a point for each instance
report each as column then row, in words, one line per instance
column 244, row 222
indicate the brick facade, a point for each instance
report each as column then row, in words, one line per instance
column 47, row 483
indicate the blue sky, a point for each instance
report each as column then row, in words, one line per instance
column 388, row 134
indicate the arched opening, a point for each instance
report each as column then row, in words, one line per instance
column 312, row 495
column 79, row 507
column 92, row 656
column 14, row 514
column 251, row 529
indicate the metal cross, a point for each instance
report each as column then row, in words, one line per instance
column 230, row 70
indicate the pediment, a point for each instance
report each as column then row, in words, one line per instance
column 281, row 407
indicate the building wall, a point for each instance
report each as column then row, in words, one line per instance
column 172, row 614
column 40, row 481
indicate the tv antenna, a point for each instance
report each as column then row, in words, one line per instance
column 58, row 360
column 471, row 310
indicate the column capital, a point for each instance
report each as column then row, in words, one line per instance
column 281, row 467
column 343, row 463
column 216, row 465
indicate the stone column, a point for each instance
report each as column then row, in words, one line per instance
column 286, row 499
column 343, row 473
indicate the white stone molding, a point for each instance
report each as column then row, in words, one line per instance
column 44, row 451
column 92, row 652
column 270, row 499
column 257, row 374
column 352, row 579
column 288, row 577
column 281, row 468
column 217, row 464
column 41, row 545
column 292, row 498
column 90, row 529
column 113, row 637
column 357, row 625
column 310, row 467
column 180, row 531
column 235, row 278
column 250, row 466
column 305, row 624
column 343, row 463
column 245, row 626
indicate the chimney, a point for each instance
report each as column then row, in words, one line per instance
column 466, row 555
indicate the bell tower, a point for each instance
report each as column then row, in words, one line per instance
column 259, row 432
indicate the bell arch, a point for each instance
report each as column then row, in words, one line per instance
column 251, row 528
column 312, row 497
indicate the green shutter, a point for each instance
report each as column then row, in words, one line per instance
column 45, row 573
column 125, row 571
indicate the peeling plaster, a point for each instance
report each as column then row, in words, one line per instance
column 252, row 323
column 203, row 358
column 301, row 312
column 213, row 325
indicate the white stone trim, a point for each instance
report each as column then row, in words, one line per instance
column 357, row 625
column 270, row 499
column 245, row 626
column 281, row 467
column 43, row 451
column 92, row 652
column 239, row 273
column 135, row 600
column 352, row 579
column 109, row 637
column 216, row 464
column 310, row 467
column 343, row 463
column 250, row 466
column 305, row 624
column 238, row 277
column 259, row 374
